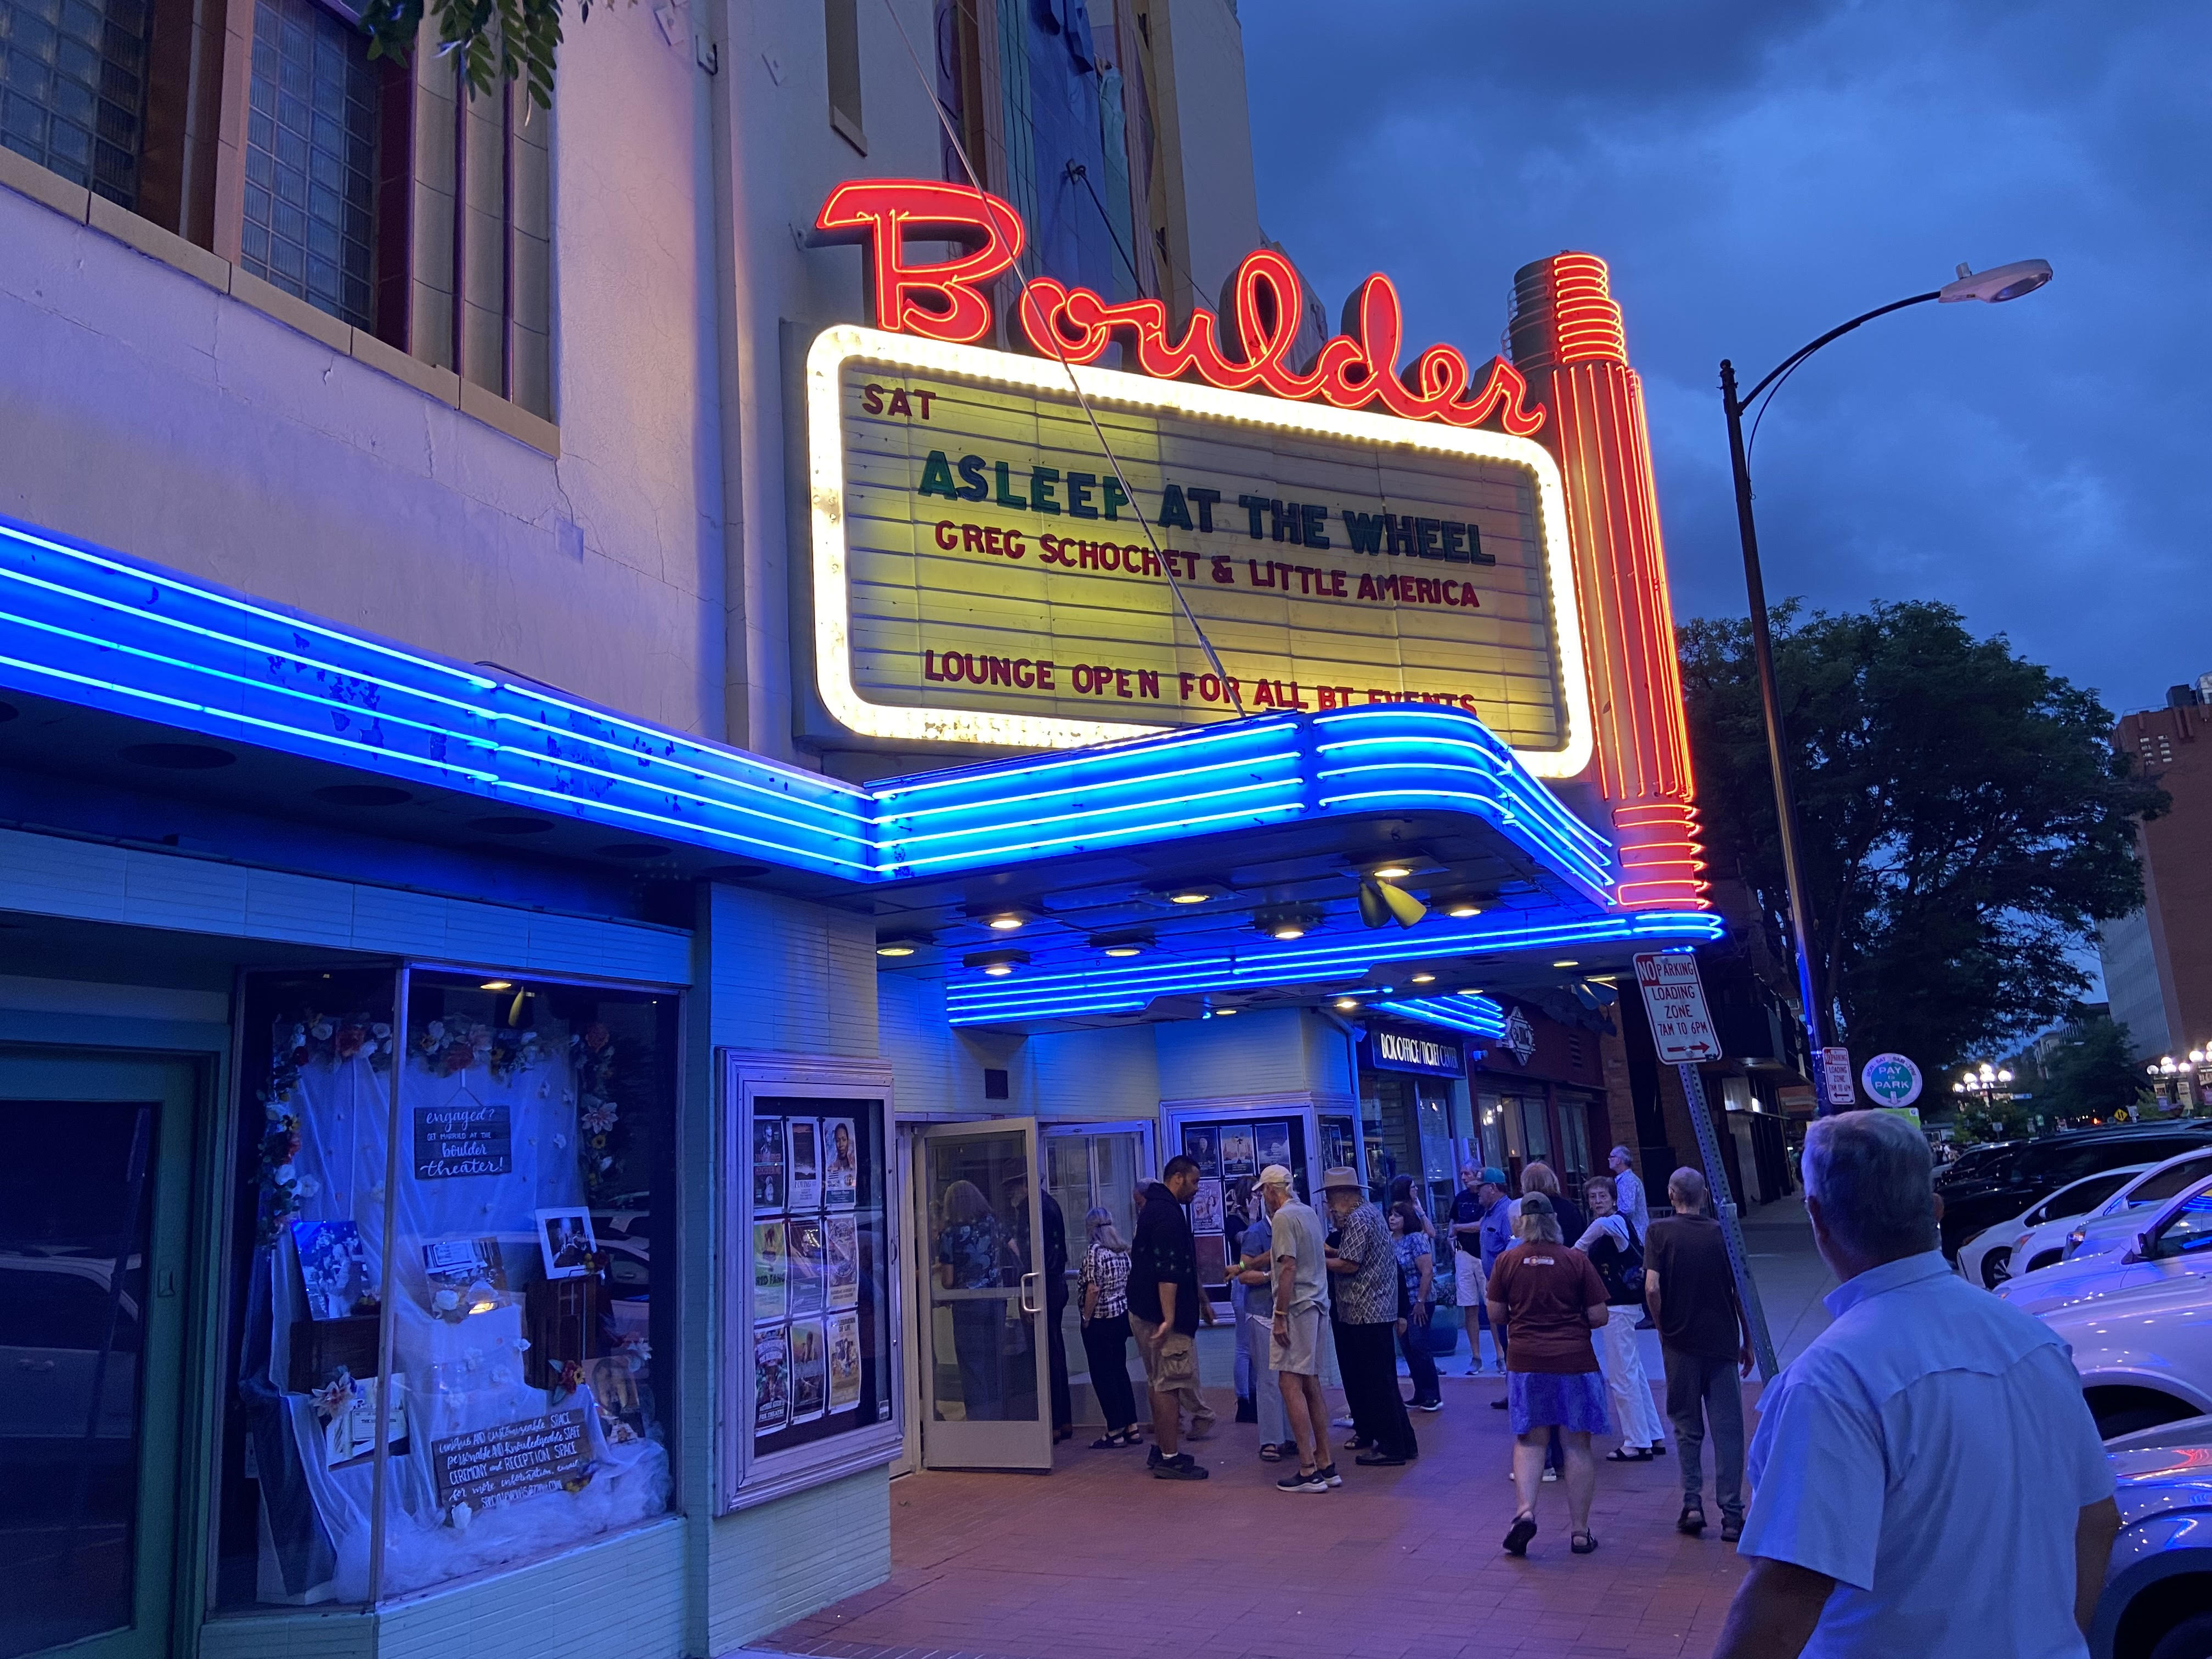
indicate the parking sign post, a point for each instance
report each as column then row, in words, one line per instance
column 1683, row 1029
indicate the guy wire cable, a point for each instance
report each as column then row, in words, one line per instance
column 975, row 183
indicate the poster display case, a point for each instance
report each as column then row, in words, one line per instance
column 811, row 1367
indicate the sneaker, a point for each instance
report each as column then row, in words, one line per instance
column 1327, row 1471
column 1428, row 1405
column 1551, row 1474
column 1341, row 1423
column 1731, row 1528
column 1180, row 1467
column 1153, row 1458
column 1305, row 1481
column 1377, row 1460
column 1199, row 1427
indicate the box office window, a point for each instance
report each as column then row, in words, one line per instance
column 447, row 1307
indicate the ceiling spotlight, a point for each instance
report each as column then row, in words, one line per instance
column 1423, row 979
column 1189, row 892
column 1126, row 943
column 1381, row 902
column 997, row 963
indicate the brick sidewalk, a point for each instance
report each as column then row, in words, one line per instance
column 1099, row 1561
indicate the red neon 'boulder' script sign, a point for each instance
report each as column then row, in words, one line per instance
column 944, row 301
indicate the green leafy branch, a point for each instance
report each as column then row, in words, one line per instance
column 499, row 41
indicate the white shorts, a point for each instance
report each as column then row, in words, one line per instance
column 1467, row 1279
column 1298, row 1347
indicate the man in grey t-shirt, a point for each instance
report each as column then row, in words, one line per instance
column 1295, row 1249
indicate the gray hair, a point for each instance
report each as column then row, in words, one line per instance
column 1623, row 1154
column 1100, row 1221
column 1874, row 1177
column 1687, row 1190
column 1538, row 1222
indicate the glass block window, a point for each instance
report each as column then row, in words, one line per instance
column 73, row 88
column 310, row 159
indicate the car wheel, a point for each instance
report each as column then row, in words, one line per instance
column 1996, row 1267
column 2190, row 1639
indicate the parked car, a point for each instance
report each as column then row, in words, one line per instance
column 2030, row 1172
column 2157, row 1600
column 1987, row 1258
column 2113, row 1224
column 2140, row 1325
column 54, row 1319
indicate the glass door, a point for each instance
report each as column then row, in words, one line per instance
column 985, row 1374
column 92, row 1324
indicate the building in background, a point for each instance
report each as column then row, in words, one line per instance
column 2157, row 962
column 597, row 785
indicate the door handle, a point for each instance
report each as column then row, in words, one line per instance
column 1029, row 1286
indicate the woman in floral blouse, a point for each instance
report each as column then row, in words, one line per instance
column 1103, row 1282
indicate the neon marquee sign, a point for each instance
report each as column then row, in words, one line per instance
column 945, row 301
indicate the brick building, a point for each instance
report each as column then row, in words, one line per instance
column 2157, row 962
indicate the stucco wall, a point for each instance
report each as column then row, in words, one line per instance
column 148, row 412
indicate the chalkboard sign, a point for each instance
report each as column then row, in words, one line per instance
column 513, row 1460
column 471, row 1139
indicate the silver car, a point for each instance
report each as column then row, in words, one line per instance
column 2157, row 1602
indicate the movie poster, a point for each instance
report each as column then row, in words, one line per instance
column 844, row 1361
column 1201, row 1145
column 770, row 1275
column 1274, row 1144
column 841, row 1164
column 803, row 1169
column 771, row 1379
column 1206, row 1208
column 1236, row 1152
column 768, row 1165
column 806, row 1250
column 810, row 1371
column 842, row 1241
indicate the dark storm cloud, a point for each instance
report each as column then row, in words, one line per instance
column 1756, row 174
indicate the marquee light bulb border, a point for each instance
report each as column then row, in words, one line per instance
column 833, row 645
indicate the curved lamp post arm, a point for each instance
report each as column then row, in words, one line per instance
column 1803, row 352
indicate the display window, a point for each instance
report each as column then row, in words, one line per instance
column 1230, row 1151
column 813, row 1373
column 447, row 1307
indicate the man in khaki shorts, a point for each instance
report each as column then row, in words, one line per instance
column 1165, row 1306
column 1301, row 1276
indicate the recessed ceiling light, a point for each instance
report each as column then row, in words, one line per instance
column 1461, row 909
column 496, row 985
column 1189, row 892
column 997, row 969
column 1286, row 930
column 1391, row 871
column 1223, row 1013
column 1347, row 1003
column 1569, row 962
column 1006, row 920
column 1470, row 991
column 895, row 947
column 1424, row 979
column 1189, row 895
column 1121, row 950
column 997, row 963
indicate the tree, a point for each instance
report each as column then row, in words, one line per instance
column 498, row 40
column 2093, row 1073
column 1964, row 819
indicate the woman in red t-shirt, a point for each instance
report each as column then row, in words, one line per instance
column 1549, row 1297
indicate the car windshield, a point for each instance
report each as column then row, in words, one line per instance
column 2161, row 1184
column 2191, row 1229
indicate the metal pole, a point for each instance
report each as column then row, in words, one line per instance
column 1709, row 1147
column 1770, row 696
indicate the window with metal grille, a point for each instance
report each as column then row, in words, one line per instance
column 73, row 88
column 311, row 160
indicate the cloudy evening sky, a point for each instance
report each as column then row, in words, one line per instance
column 1757, row 170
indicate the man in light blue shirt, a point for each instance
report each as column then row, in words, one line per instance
column 1628, row 1194
column 1927, row 1479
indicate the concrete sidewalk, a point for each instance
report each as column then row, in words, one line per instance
column 1100, row 1561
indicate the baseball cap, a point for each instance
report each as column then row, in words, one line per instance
column 1491, row 1175
column 1274, row 1175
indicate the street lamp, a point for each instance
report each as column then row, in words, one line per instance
column 1992, row 287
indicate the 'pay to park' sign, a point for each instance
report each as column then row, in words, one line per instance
column 1674, row 997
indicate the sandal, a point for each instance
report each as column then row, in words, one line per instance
column 1692, row 1519
column 1624, row 1454
column 1517, row 1540
column 1107, row 1442
column 1270, row 1452
column 1583, row 1543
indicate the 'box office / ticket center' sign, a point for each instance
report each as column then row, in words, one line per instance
column 983, row 574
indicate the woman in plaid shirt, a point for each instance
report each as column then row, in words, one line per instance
column 1103, row 1282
